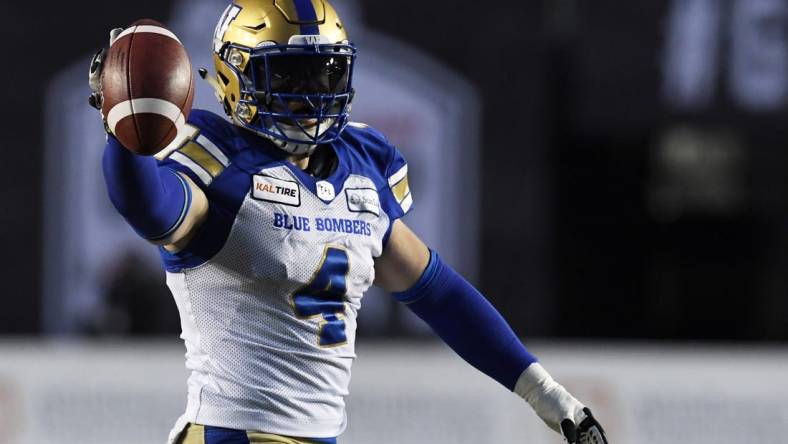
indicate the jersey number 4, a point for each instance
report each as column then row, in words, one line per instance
column 325, row 296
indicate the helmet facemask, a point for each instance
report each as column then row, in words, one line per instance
column 297, row 94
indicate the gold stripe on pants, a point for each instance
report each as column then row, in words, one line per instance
column 195, row 434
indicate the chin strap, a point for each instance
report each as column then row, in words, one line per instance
column 217, row 90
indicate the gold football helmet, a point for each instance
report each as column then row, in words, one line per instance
column 284, row 69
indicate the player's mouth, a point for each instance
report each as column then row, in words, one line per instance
column 303, row 123
column 308, row 123
column 301, row 109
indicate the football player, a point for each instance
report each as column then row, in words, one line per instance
column 272, row 223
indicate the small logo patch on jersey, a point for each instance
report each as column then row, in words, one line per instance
column 325, row 190
column 363, row 200
column 271, row 189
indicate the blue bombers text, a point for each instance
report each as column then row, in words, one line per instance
column 327, row 224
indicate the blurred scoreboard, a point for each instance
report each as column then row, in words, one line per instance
column 671, row 153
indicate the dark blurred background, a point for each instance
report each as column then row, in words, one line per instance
column 633, row 174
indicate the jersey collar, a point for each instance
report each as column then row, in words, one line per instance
column 329, row 188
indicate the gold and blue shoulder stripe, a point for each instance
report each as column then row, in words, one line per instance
column 197, row 153
column 398, row 182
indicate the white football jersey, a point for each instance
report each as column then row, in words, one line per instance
column 269, row 288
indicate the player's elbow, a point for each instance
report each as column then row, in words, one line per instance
column 148, row 219
column 128, row 201
column 151, row 203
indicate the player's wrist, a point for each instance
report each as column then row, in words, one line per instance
column 558, row 409
column 549, row 399
column 533, row 379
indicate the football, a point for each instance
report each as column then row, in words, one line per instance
column 147, row 87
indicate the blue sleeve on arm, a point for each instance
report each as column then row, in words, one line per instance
column 467, row 322
column 152, row 199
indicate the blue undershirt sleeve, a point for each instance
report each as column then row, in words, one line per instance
column 467, row 322
column 153, row 199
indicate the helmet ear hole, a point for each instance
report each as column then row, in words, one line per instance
column 224, row 78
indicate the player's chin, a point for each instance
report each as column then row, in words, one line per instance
column 306, row 124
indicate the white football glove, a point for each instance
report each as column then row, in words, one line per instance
column 96, row 66
column 558, row 408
